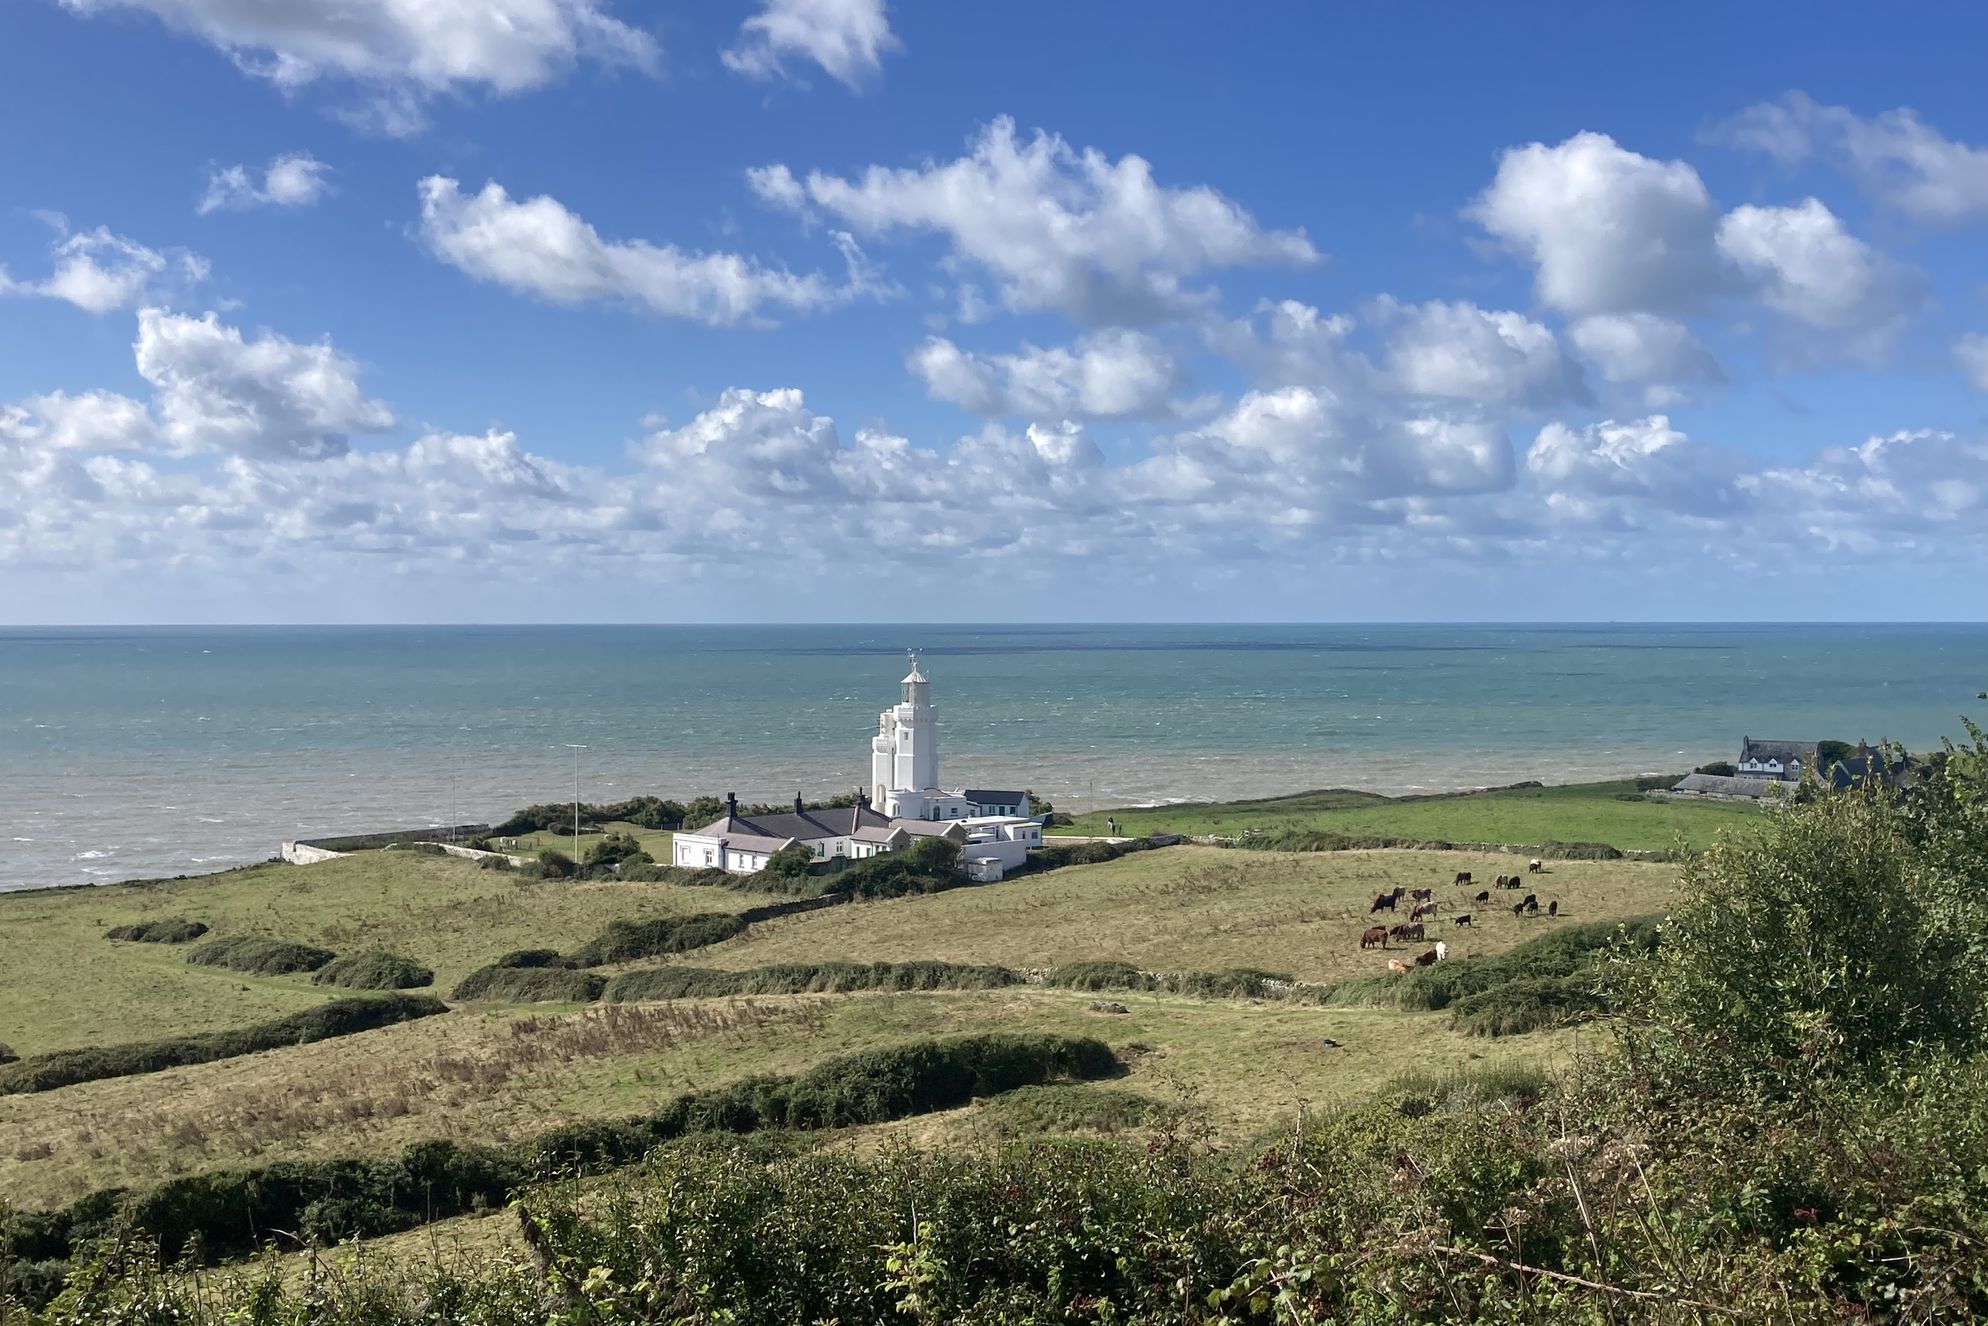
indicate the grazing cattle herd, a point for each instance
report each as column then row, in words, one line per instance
column 1423, row 905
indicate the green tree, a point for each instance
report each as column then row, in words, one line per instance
column 793, row 861
column 555, row 865
column 1825, row 943
column 616, row 849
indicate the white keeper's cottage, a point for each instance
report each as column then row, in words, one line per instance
column 995, row 828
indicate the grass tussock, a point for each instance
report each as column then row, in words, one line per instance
column 1077, row 1107
column 340, row 1017
column 165, row 930
column 377, row 970
column 259, row 956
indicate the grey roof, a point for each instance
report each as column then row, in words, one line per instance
column 1718, row 785
column 931, row 828
column 748, row 842
column 873, row 833
column 805, row 826
column 1783, row 751
column 985, row 795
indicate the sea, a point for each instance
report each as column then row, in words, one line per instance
column 150, row 752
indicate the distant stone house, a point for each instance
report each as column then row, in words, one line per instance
column 1784, row 761
column 1720, row 787
column 1865, row 764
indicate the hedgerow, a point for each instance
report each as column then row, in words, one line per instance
column 625, row 941
column 259, row 956
column 377, row 970
column 205, row 1217
column 526, row 985
column 652, row 983
column 340, row 1017
column 165, row 930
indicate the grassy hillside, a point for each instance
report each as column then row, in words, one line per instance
column 63, row 985
column 487, row 1073
column 1611, row 812
column 1198, row 908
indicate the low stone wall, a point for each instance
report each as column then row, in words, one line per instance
column 473, row 854
column 310, row 851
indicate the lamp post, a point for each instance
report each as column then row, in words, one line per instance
column 576, row 749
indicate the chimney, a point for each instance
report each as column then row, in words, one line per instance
column 731, row 805
column 799, row 809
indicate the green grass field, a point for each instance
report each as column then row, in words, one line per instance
column 63, row 985
column 1611, row 812
column 486, row 1073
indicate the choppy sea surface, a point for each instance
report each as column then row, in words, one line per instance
column 140, row 752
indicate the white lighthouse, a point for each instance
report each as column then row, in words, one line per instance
column 904, row 757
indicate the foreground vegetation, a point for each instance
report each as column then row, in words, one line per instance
column 1786, row 1124
column 1616, row 813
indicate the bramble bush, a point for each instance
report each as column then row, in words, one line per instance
column 259, row 956
column 376, row 970
column 165, row 930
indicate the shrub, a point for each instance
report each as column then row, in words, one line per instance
column 259, row 956
column 1556, row 851
column 615, row 849
column 1528, row 1004
column 625, row 941
column 166, row 930
column 1558, row 953
column 532, row 957
column 554, row 865
column 1098, row 976
column 531, row 985
column 377, row 970
column 495, row 863
column 1719, row 769
column 340, row 1017
column 657, row 983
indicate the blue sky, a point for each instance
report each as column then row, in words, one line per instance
column 398, row 310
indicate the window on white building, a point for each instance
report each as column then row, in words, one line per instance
column 707, row 856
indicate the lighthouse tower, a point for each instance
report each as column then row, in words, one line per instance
column 904, row 755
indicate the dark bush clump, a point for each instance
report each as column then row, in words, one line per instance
column 656, row 983
column 165, row 930
column 1553, row 851
column 377, row 970
column 531, row 985
column 625, row 941
column 340, row 1017
column 259, row 956
column 1527, row 1004
column 1098, row 976
column 532, row 957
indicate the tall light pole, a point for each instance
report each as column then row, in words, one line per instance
column 576, row 749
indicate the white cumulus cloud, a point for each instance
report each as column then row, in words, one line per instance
column 1643, row 459
column 1056, row 227
column 537, row 246
column 1661, row 355
column 98, row 271
column 847, row 38
column 1609, row 230
column 294, row 179
column 1110, row 373
column 1804, row 263
column 1460, row 351
column 1896, row 159
column 272, row 397
column 405, row 50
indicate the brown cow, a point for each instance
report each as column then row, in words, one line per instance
column 1395, row 964
column 1424, row 909
column 1405, row 932
column 1383, row 902
column 1375, row 934
column 1553, row 908
column 1421, row 895
column 1462, row 877
column 1461, row 920
column 1483, row 897
column 1427, row 959
column 1518, row 909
